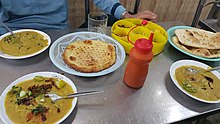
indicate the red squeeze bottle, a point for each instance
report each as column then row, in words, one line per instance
column 137, row 67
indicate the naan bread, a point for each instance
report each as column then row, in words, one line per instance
column 203, row 52
column 89, row 55
column 198, row 38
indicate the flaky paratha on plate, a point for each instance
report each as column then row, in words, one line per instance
column 198, row 38
column 89, row 55
column 203, row 52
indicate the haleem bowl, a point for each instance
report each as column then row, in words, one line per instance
column 193, row 79
column 24, row 101
column 24, row 44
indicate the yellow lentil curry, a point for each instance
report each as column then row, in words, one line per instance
column 24, row 43
column 26, row 102
column 198, row 82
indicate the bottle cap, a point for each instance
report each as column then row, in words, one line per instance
column 144, row 45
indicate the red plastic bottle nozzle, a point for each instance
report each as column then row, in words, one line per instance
column 144, row 45
column 151, row 37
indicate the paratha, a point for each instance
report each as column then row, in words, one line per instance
column 198, row 38
column 203, row 52
column 89, row 55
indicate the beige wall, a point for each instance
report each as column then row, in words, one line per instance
column 167, row 10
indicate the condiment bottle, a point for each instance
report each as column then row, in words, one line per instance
column 137, row 67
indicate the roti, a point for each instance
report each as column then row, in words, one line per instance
column 203, row 52
column 198, row 38
column 89, row 55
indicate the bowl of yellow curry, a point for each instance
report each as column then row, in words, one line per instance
column 25, row 43
column 24, row 100
column 194, row 79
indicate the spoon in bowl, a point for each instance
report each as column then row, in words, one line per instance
column 192, row 70
column 212, row 69
column 54, row 97
column 8, row 28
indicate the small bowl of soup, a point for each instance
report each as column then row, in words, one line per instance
column 25, row 43
column 193, row 79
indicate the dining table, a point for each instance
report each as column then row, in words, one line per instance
column 159, row 101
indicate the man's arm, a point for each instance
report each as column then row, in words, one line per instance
column 112, row 7
column 115, row 8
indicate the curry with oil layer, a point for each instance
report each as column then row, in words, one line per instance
column 25, row 103
column 24, row 43
column 198, row 82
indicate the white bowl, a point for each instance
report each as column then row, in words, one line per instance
column 46, row 36
column 180, row 63
column 3, row 114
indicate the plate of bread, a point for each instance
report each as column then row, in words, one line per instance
column 197, row 43
column 87, row 54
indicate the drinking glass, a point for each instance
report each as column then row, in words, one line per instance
column 97, row 22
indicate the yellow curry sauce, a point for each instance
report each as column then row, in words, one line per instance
column 199, row 83
column 34, row 107
column 25, row 43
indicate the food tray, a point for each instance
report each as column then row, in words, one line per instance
column 121, row 28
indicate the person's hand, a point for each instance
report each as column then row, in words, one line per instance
column 148, row 15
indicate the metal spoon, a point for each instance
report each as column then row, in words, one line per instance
column 8, row 29
column 212, row 69
column 192, row 70
column 54, row 97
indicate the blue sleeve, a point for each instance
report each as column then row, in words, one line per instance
column 112, row 7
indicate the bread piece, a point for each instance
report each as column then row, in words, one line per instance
column 89, row 55
column 198, row 38
column 203, row 52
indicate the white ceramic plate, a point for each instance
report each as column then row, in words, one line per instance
column 179, row 63
column 58, row 47
column 3, row 115
column 25, row 56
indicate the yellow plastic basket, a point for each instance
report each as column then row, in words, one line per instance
column 121, row 28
